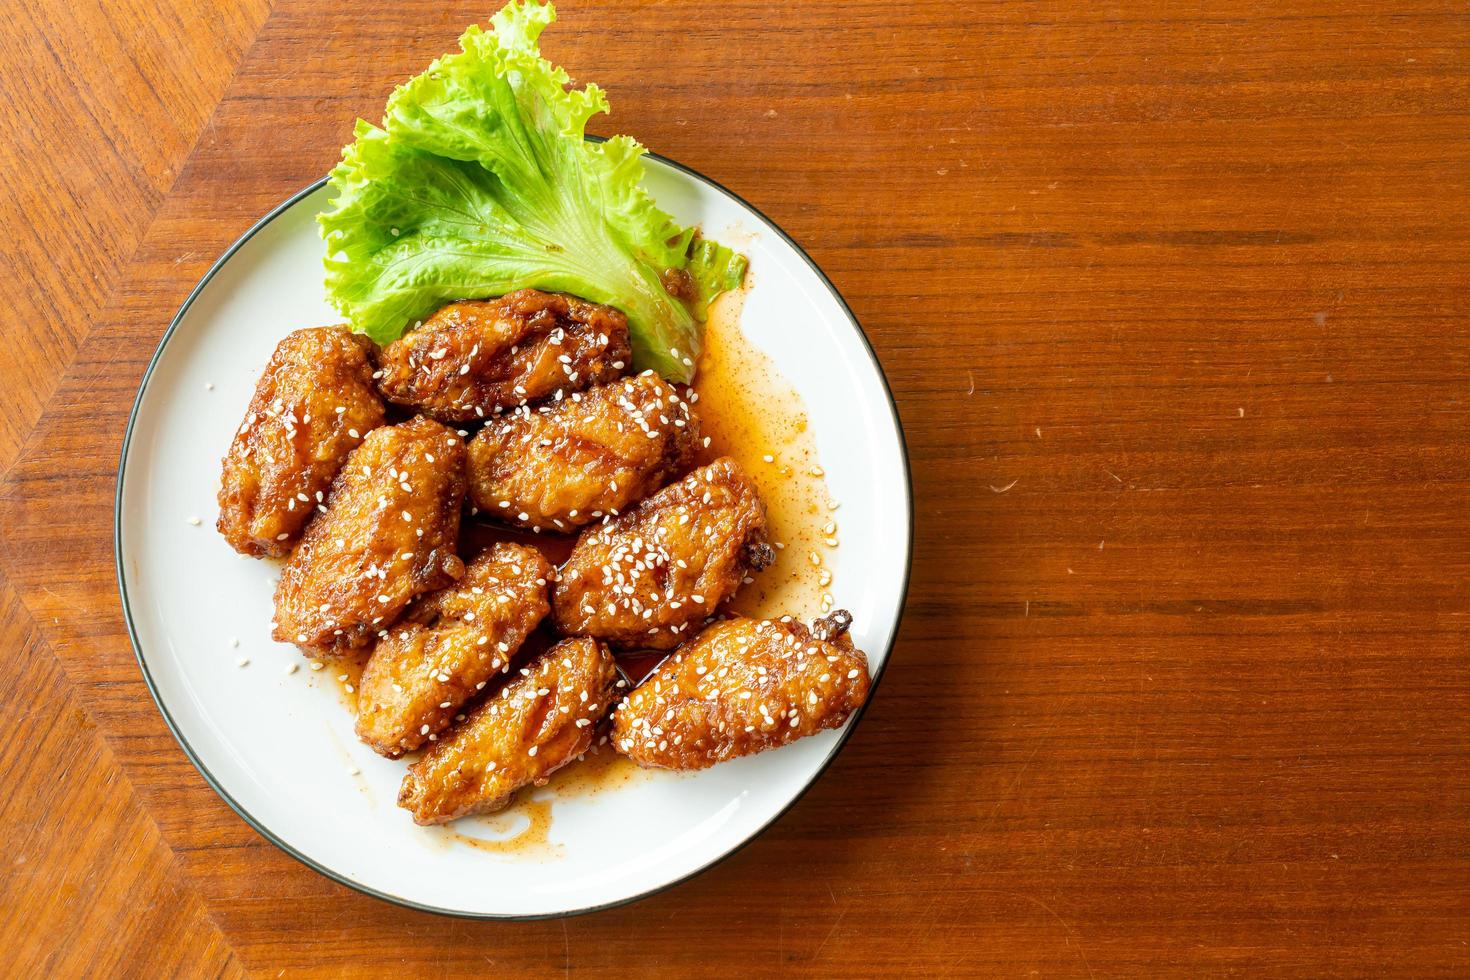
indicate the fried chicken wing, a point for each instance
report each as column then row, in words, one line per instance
column 475, row 356
column 313, row 405
column 447, row 647
column 643, row 578
column 540, row 721
column 568, row 462
column 388, row 535
column 742, row 686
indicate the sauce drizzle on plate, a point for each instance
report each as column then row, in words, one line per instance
column 532, row 840
column 753, row 414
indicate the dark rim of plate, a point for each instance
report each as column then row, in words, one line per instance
column 265, row 832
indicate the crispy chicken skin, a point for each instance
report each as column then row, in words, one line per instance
column 448, row 646
column 388, row 535
column 645, row 577
column 540, row 721
column 475, row 356
column 568, row 462
column 313, row 405
column 741, row 687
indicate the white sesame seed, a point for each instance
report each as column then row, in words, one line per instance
column 195, row 521
column 291, row 668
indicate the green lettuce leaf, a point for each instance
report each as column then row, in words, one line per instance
column 481, row 181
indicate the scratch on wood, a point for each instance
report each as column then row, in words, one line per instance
column 1010, row 788
column 1071, row 933
column 830, row 932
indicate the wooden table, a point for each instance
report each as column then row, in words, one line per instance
column 1172, row 297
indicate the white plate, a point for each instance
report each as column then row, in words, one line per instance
column 279, row 747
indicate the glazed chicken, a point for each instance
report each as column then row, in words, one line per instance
column 645, row 577
column 448, row 646
column 569, row 462
column 387, row 536
column 742, row 686
column 313, row 405
column 543, row 719
column 473, row 357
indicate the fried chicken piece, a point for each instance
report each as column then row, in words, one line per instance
column 448, row 646
column 388, row 535
column 540, row 721
column 643, row 578
column 313, row 405
column 568, row 462
column 475, row 356
column 741, row 687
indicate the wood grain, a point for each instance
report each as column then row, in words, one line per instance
column 85, row 863
column 1172, row 299
column 98, row 123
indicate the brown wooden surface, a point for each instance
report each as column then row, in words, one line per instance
column 1172, row 297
